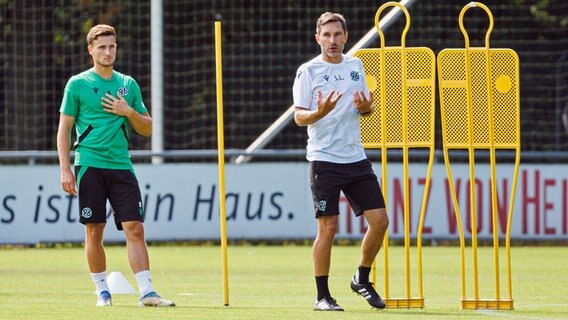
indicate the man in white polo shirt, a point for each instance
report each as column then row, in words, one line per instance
column 330, row 96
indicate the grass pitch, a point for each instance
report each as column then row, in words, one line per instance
column 270, row 282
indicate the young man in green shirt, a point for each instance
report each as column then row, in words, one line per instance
column 102, row 104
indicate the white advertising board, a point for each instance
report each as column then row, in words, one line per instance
column 273, row 201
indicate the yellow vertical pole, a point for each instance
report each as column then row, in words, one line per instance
column 492, row 156
column 510, row 223
column 406, row 223
column 472, row 197
column 386, row 237
column 221, row 157
column 384, row 158
column 405, row 162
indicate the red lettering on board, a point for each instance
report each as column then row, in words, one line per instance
column 548, row 206
column 422, row 182
column 528, row 200
column 501, row 206
column 450, row 211
column 478, row 214
column 565, row 206
column 398, row 206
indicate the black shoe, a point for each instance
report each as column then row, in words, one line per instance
column 327, row 304
column 367, row 291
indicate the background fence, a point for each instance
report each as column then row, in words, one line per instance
column 43, row 44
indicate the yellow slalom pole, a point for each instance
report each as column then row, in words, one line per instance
column 221, row 156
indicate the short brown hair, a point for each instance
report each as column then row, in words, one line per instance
column 100, row 30
column 330, row 17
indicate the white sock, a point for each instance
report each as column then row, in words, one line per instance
column 100, row 281
column 144, row 282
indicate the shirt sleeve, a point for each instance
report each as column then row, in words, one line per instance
column 70, row 102
column 137, row 102
column 302, row 89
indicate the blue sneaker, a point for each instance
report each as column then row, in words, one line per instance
column 152, row 299
column 104, row 299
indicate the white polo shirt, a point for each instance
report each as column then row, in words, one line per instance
column 337, row 136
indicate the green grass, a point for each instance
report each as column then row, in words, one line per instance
column 269, row 282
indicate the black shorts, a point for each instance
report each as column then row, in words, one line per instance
column 357, row 181
column 119, row 187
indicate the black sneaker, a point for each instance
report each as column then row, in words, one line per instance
column 327, row 304
column 367, row 291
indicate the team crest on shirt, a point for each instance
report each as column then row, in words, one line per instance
column 354, row 75
column 123, row 91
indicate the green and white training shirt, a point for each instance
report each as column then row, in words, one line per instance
column 102, row 137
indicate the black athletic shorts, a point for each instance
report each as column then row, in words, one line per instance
column 119, row 187
column 357, row 181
